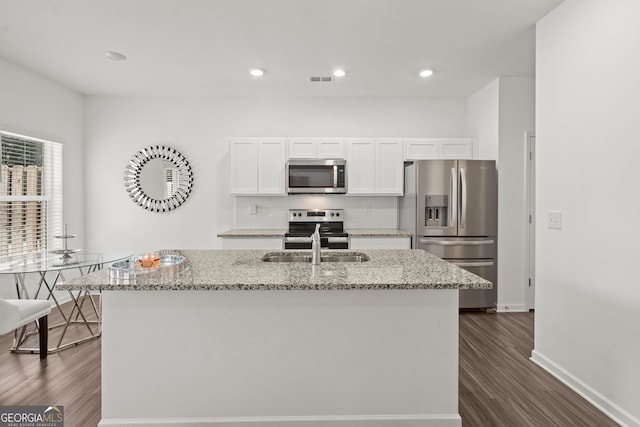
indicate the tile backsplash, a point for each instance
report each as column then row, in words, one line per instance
column 359, row 211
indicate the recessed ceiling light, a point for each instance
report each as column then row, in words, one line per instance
column 257, row 72
column 115, row 56
column 426, row 73
column 339, row 73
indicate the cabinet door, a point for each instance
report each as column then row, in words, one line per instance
column 302, row 148
column 421, row 149
column 361, row 166
column 457, row 148
column 243, row 166
column 438, row 148
column 330, row 149
column 271, row 166
column 389, row 167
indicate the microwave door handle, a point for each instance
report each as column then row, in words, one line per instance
column 463, row 196
column 335, row 176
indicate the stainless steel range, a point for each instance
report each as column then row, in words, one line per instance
column 302, row 224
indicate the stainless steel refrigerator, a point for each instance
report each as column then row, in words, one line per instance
column 451, row 209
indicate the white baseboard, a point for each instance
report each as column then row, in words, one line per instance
column 435, row 420
column 512, row 308
column 609, row 408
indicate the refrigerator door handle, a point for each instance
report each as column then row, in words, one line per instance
column 453, row 212
column 472, row 264
column 463, row 196
column 456, row 242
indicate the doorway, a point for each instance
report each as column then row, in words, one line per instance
column 530, row 183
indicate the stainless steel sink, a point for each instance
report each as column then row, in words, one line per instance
column 344, row 258
column 286, row 258
column 331, row 257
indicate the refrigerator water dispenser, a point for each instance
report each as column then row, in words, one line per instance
column 436, row 210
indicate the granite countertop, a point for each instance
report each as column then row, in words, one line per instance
column 377, row 232
column 353, row 232
column 244, row 270
column 240, row 233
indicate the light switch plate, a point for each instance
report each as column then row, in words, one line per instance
column 554, row 219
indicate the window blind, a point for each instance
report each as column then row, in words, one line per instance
column 30, row 195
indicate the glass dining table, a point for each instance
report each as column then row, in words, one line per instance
column 82, row 312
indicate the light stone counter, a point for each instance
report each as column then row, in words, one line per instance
column 249, row 233
column 243, row 270
column 353, row 232
column 377, row 232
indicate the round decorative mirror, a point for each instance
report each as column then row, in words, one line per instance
column 158, row 178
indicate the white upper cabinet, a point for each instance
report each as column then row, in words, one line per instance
column 272, row 161
column 389, row 167
column 439, row 148
column 374, row 166
column 257, row 166
column 316, row 148
column 361, row 166
column 243, row 166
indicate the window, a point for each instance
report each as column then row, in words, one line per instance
column 172, row 178
column 30, row 195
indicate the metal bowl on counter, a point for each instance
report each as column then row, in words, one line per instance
column 147, row 266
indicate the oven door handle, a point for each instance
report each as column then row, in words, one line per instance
column 294, row 239
column 338, row 239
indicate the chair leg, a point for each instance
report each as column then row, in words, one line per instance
column 44, row 336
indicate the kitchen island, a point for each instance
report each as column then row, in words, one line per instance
column 232, row 340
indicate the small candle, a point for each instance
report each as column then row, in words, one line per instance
column 146, row 261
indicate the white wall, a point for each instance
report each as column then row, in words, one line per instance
column 483, row 119
column 588, row 293
column 517, row 115
column 34, row 106
column 117, row 127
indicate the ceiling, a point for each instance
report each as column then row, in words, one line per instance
column 206, row 47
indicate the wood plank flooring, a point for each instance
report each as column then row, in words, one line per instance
column 70, row 378
column 499, row 385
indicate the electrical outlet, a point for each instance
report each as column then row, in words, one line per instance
column 253, row 209
column 554, row 219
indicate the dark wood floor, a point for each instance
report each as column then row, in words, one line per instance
column 499, row 385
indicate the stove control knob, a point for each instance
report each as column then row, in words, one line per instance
column 332, row 214
column 337, row 213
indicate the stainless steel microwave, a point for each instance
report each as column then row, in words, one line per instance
column 326, row 176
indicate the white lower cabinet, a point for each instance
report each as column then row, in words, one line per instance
column 399, row 242
column 375, row 167
column 257, row 166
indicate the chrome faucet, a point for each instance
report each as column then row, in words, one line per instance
column 315, row 246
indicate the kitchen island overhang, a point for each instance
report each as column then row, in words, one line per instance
column 330, row 345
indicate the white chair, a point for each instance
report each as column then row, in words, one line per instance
column 15, row 313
